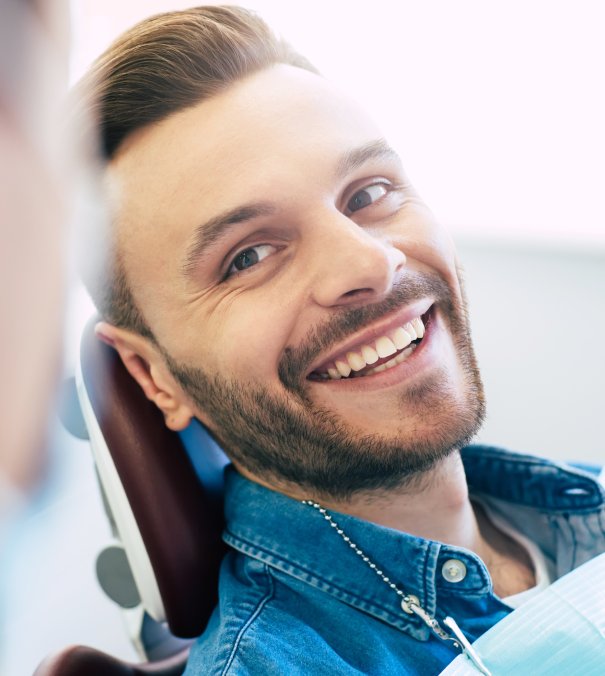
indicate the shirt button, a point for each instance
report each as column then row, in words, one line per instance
column 453, row 570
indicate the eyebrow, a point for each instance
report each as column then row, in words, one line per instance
column 208, row 233
column 357, row 157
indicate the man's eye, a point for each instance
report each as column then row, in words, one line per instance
column 366, row 196
column 249, row 257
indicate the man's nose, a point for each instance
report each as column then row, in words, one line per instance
column 354, row 264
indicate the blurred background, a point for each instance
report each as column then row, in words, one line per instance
column 497, row 110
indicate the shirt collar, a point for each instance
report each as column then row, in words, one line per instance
column 532, row 481
column 297, row 540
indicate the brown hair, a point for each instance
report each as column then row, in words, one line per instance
column 160, row 66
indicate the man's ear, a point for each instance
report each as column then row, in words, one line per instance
column 145, row 364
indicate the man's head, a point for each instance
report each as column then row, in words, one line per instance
column 266, row 242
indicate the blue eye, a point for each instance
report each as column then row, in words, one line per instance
column 366, row 196
column 250, row 257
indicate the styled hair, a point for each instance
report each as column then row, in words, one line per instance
column 163, row 65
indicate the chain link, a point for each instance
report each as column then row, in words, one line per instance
column 410, row 604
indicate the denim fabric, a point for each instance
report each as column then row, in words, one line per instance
column 296, row 599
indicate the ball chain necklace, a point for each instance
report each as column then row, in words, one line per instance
column 410, row 604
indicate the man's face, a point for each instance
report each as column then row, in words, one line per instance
column 284, row 263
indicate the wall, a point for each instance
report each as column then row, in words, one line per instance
column 539, row 328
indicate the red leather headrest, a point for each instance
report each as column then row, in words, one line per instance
column 179, row 524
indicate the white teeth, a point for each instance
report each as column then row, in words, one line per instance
column 398, row 340
column 343, row 368
column 385, row 347
column 409, row 328
column 393, row 362
column 369, row 354
column 405, row 354
column 356, row 361
column 419, row 326
column 401, row 338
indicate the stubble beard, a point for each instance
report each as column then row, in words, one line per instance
column 291, row 441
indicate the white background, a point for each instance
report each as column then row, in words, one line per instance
column 497, row 107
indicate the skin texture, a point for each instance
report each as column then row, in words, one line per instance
column 234, row 348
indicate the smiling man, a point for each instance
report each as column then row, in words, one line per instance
column 272, row 273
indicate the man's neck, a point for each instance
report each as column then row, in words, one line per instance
column 438, row 507
column 435, row 506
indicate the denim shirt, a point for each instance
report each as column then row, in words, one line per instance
column 296, row 599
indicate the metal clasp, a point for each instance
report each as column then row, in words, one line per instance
column 410, row 604
column 466, row 647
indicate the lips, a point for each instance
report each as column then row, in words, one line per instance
column 396, row 344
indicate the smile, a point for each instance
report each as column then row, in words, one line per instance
column 382, row 353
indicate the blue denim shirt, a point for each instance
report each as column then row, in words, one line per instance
column 295, row 599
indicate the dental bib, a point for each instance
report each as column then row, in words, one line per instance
column 559, row 631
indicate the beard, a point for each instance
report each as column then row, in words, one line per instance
column 290, row 440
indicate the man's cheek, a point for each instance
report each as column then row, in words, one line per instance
column 242, row 356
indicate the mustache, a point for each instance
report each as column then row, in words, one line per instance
column 296, row 361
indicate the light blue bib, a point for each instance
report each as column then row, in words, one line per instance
column 561, row 631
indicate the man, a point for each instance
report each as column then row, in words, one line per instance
column 272, row 272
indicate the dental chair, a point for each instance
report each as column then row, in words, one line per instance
column 165, row 513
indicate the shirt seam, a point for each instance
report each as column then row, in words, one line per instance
column 257, row 611
column 363, row 603
column 575, row 544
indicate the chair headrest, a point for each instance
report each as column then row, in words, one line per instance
column 153, row 491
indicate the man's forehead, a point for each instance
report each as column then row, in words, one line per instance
column 278, row 137
column 255, row 126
